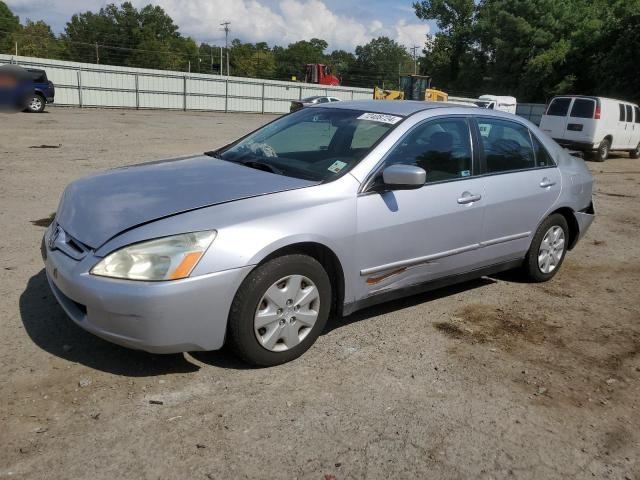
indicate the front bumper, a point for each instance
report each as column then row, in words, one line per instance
column 585, row 219
column 158, row 317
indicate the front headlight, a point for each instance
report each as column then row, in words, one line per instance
column 167, row 258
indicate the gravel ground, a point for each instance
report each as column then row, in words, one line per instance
column 489, row 379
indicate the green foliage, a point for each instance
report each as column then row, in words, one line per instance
column 9, row 24
column 379, row 62
column 452, row 44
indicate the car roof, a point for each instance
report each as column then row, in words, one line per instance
column 391, row 107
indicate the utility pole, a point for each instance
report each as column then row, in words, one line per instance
column 415, row 61
column 16, row 48
column 225, row 26
column 97, row 54
column 220, row 61
column 211, row 54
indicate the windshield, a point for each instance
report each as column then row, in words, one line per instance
column 318, row 144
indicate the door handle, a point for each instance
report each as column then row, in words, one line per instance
column 468, row 197
column 546, row 183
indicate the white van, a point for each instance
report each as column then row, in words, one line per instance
column 496, row 102
column 593, row 124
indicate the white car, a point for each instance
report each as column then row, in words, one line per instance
column 595, row 125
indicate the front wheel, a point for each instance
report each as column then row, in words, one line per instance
column 280, row 310
column 547, row 249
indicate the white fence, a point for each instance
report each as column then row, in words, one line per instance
column 90, row 85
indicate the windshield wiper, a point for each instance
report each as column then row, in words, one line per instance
column 262, row 166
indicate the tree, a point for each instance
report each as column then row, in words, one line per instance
column 455, row 19
column 9, row 25
column 290, row 61
column 127, row 36
column 36, row 39
column 537, row 48
column 377, row 63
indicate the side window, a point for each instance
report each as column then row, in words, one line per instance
column 559, row 107
column 629, row 113
column 583, row 108
column 623, row 117
column 637, row 110
column 543, row 159
column 507, row 145
column 323, row 100
column 441, row 147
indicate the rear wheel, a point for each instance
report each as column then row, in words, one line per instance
column 279, row 310
column 635, row 153
column 547, row 249
column 36, row 103
column 602, row 153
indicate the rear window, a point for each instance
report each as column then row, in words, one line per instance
column 637, row 110
column 38, row 76
column 583, row 108
column 559, row 107
column 629, row 113
column 623, row 117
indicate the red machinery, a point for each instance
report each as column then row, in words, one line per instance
column 320, row 74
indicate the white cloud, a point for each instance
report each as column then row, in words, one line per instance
column 286, row 22
column 273, row 21
column 410, row 34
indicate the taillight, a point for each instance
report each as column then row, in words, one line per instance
column 596, row 115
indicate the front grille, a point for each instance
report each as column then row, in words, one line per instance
column 61, row 240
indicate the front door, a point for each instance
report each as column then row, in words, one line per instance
column 405, row 237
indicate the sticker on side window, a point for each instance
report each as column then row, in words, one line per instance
column 337, row 166
column 380, row 117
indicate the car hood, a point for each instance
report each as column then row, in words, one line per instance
column 97, row 208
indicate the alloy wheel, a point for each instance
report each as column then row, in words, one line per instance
column 551, row 249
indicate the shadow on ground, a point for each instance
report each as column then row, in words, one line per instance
column 49, row 327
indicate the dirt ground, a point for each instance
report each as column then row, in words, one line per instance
column 489, row 379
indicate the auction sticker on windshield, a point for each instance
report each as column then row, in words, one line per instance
column 380, row 117
column 337, row 166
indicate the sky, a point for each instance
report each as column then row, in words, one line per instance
column 344, row 24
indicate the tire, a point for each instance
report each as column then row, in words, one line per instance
column 635, row 153
column 535, row 260
column 36, row 103
column 602, row 153
column 256, row 345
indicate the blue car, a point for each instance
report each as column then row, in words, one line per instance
column 43, row 91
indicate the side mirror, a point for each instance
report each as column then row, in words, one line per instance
column 403, row 177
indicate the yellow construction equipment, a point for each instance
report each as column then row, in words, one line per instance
column 434, row 95
column 380, row 94
column 412, row 87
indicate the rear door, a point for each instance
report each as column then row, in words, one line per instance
column 581, row 124
column 635, row 135
column 620, row 137
column 629, row 128
column 521, row 183
column 554, row 121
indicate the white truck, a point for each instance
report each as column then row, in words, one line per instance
column 498, row 102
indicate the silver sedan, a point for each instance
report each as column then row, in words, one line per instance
column 321, row 212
